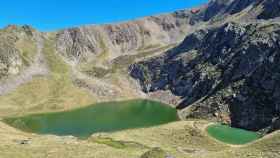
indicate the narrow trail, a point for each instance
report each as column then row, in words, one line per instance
column 38, row 67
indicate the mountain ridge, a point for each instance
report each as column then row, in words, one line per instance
column 205, row 69
column 96, row 51
column 215, row 63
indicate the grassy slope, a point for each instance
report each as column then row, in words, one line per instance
column 121, row 63
column 54, row 92
column 179, row 139
column 109, row 79
column 27, row 48
column 185, row 139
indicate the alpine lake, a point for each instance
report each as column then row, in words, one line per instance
column 101, row 117
column 116, row 116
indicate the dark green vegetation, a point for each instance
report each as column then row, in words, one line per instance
column 102, row 117
column 231, row 135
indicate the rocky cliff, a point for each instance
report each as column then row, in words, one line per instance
column 80, row 44
column 17, row 47
column 226, row 72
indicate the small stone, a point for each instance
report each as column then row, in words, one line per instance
column 23, row 142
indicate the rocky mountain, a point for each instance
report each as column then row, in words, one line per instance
column 217, row 62
column 227, row 71
column 220, row 60
column 93, row 54
column 79, row 44
column 93, row 49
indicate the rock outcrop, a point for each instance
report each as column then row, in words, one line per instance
column 82, row 43
column 225, row 72
column 17, row 49
column 271, row 9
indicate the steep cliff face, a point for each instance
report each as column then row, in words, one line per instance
column 271, row 9
column 215, row 7
column 88, row 42
column 81, row 43
column 220, row 10
column 227, row 72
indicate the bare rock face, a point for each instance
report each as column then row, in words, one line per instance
column 228, row 72
column 215, row 7
column 81, row 43
column 13, row 55
column 87, row 42
column 271, row 9
column 219, row 10
column 10, row 61
column 238, row 5
column 78, row 43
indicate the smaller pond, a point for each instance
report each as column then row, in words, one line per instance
column 231, row 135
column 102, row 117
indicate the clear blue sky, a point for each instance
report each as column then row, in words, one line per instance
column 48, row 15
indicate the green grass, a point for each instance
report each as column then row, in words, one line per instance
column 27, row 49
column 231, row 135
column 116, row 143
column 54, row 92
column 155, row 153
column 119, row 64
column 109, row 141
column 56, row 64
